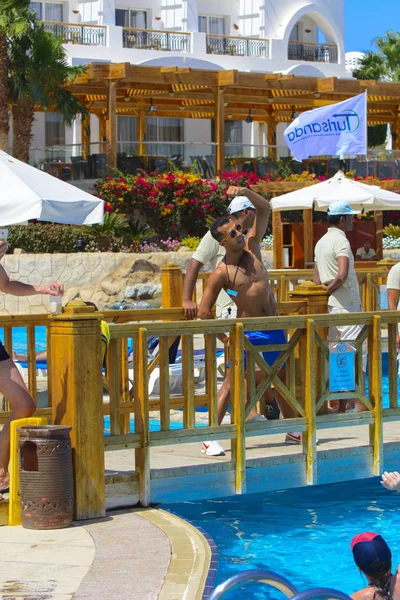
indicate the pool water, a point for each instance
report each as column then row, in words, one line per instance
column 303, row 533
column 20, row 339
column 154, row 425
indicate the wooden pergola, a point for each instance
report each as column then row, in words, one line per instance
column 108, row 90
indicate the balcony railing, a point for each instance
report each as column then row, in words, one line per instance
column 237, row 46
column 313, row 52
column 89, row 35
column 152, row 39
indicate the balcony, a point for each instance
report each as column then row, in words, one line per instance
column 327, row 53
column 237, row 46
column 152, row 39
column 87, row 35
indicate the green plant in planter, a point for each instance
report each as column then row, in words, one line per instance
column 113, row 223
column 140, row 232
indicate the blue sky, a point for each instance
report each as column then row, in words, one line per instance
column 366, row 19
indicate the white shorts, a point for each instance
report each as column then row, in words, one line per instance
column 346, row 332
column 227, row 312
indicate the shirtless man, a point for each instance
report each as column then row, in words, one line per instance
column 243, row 276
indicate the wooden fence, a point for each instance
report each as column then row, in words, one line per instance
column 75, row 383
column 283, row 282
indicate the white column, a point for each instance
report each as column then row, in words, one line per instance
column 107, row 15
column 190, row 15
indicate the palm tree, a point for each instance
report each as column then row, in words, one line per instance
column 384, row 64
column 14, row 17
column 381, row 65
column 38, row 71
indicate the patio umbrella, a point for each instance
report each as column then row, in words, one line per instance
column 320, row 195
column 28, row 193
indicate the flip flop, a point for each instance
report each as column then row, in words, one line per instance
column 5, row 491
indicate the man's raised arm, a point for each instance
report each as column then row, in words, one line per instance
column 262, row 207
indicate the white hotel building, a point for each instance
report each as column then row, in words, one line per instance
column 286, row 36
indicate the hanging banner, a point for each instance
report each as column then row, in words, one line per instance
column 330, row 130
column 342, row 368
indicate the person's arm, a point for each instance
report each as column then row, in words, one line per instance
column 189, row 283
column 358, row 255
column 215, row 284
column 391, row 481
column 343, row 271
column 316, row 277
column 17, row 288
column 263, row 208
column 393, row 298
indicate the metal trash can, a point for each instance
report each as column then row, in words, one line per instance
column 46, row 476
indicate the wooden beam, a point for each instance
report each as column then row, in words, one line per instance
column 111, row 125
column 85, row 137
column 271, row 136
column 220, row 129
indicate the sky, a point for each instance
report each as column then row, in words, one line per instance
column 366, row 19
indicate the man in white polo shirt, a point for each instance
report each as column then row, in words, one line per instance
column 334, row 270
column 393, row 292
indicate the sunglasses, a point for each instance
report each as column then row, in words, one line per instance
column 234, row 232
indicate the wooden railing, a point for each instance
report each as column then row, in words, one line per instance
column 152, row 39
column 303, row 387
column 237, row 46
column 90, row 35
column 312, row 52
column 283, row 282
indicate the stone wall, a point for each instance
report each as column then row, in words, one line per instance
column 103, row 278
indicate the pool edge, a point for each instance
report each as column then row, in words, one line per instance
column 193, row 566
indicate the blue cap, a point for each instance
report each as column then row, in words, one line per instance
column 371, row 553
column 341, row 208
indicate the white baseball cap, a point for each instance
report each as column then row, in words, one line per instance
column 239, row 203
column 341, row 208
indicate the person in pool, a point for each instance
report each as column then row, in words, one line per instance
column 242, row 275
column 373, row 557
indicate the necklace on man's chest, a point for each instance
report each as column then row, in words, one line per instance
column 230, row 291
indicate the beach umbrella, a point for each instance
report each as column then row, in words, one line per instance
column 320, row 195
column 28, row 193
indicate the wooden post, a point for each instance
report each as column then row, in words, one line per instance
column 239, row 400
column 317, row 300
column 310, row 436
column 379, row 233
column 102, row 127
column 171, row 285
column 141, row 377
column 308, row 237
column 278, row 239
column 375, row 393
column 111, row 125
column 85, row 137
column 220, row 130
column 76, row 382
column 271, row 137
column 142, row 133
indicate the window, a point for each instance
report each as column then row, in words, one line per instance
column 50, row 11
column 294, row 36
column 54, row 129
column 233, row 135
column 210, row 24
column 131, row 18
column 250, row 18
column 127, row 131
column 172, row 14
column 164, row 129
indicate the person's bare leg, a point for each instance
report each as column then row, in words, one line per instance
column 223, row 399
column 22, row 405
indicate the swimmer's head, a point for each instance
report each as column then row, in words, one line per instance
column 371, row 554
column 228, row 233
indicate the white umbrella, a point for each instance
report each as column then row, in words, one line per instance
column 320, row 195
column 28, row 193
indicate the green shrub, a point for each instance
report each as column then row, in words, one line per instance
column 392, row 231
column 46, row 237
column 191, row 242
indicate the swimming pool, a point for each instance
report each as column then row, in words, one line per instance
column 303, row 533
